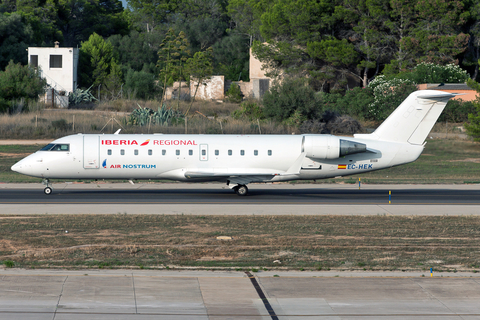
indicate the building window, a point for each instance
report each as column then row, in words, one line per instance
column 55, row 61
column 109, row 152
column 150, row 152
column 34, row 60
column 177, row 152
column 269, row 152
column 242, row 152
column 122, row 152
column 164, row 152
column 190, row 152
column 255, row 152
column 217, row 152
column 135, row 152
column 229, row 152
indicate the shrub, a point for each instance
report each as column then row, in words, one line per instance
column 388, row 96
column 434, row 73
column 61, row 125
column 163, row 116
column 234, row 94
column 19, row 82
column 457, row 111
column 8, row 263
column 250, row 110
column 141, row 84
column 289, row 97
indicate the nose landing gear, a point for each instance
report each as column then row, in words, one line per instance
column 48, row 189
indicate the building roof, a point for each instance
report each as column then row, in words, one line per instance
column 448, row 86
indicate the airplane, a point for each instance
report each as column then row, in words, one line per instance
column 237, row 159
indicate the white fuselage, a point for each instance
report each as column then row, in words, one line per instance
column 262, row 158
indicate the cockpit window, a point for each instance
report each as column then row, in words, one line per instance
column 56, row 147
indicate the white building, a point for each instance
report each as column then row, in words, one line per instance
column 59, row 67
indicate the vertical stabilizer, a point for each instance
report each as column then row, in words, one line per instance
column 414, row 118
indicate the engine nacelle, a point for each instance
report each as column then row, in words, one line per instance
column 324, row 147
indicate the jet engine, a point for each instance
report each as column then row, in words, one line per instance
column 323, row 147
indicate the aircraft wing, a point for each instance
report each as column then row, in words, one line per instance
column 233, row 177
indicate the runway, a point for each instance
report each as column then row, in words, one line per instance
column 263, row 199
column 126, row 294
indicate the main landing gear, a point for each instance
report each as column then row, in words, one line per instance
column 241, row 190
column 48, row 189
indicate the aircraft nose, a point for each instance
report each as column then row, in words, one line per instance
column 17, row 167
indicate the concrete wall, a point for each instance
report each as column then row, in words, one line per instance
column 212, row 88
column 64, row 78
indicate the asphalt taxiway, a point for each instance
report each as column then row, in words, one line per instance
column 236, row 295
column 263, row 199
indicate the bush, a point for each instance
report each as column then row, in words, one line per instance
column 8, row 263
column 331, row 123
column 355, row 103
column 141, row 84
column 61, row 125
column 457, row 111
column 388, row 96
column 434, row 73
column 234, row 94
column 250, row 110
column 19, row 82
column 289, row 97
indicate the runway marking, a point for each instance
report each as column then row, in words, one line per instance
column 262, row 296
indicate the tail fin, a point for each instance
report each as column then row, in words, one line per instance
column 413, row 119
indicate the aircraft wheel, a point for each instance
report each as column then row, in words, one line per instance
column 242, row 190
column 47, row 191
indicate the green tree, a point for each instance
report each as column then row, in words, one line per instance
column 293, row 98
column 78, row 19
column 19, row 82
column 199, row 67
column 140, row 84
column 172, row 56
column 15, row 37
column 97, row 58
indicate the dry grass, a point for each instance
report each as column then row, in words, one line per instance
column 310, row 242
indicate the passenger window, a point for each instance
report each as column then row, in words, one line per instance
column 135, row 152
column 190, row 152
column 177, row 152
column 269, row 152
column 216, row 152
column 109, row 152
column 204, row 152
column 255, row 152
column 164, row 152
column 122, row 152
column 242, row 152
column 150, row 152
column 229, row 152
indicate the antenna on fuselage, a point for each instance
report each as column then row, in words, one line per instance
column 118, row 131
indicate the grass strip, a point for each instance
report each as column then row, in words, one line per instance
column 445, row 243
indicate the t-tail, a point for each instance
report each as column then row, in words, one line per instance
column 412, row 121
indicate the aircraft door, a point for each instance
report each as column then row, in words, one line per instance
column 203, row 152
column 91, row 151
